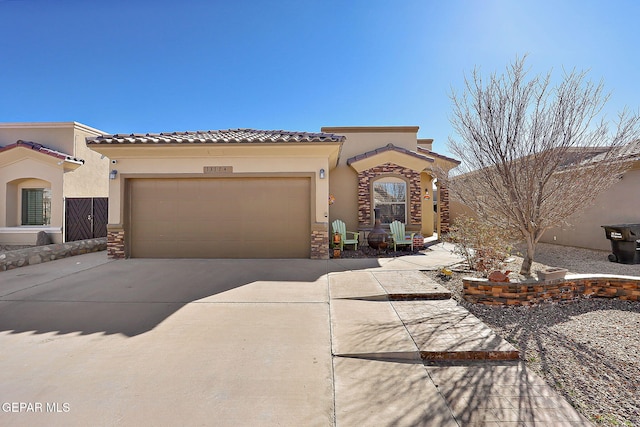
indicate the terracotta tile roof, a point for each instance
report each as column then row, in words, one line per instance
column 590, row 155
column 42, row 149
column 232, row 136
column 630, row 151
column 440, row 156
column 388, row 147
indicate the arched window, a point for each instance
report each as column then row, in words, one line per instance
column 390, row 196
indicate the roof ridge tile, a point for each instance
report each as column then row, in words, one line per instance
column 218, row 136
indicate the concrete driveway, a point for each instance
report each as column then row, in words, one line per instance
column 85, row 341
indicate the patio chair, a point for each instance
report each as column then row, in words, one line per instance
column 399, row 236
column 340, row 228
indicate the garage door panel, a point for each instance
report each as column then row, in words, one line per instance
column 223, row 211
column 202, row 231
column 155, row 230
column 146, row 207
column 162, row 249
column 220, row 218
column 166, row 210
column 198, row 249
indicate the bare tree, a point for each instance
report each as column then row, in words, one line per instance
column 534, row 153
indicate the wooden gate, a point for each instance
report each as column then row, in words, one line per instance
column 85, row 218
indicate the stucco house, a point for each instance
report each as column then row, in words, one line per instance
column 619, row 204
column 244, row 193
column 44, row 168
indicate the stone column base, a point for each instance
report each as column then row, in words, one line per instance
column 115, row 243
column 320, row 241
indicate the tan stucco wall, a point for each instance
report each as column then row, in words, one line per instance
column 344, row 179
column 620, row 204
column 458, row 209
column 361, row 140
column 343, row 182
column 426, row 186
column 246, row 160
column 20, row 166
column 92, row 178
column 17, row 171
column 58, row 136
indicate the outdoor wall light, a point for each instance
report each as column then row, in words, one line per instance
column 113, row 174
column 321, row 173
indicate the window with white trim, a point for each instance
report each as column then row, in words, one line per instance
column 390, row 196
column 36, row 206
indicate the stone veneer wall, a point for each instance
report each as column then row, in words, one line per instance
column 320, row 241
column 443, row 201
column 39, row 254
column 482, row 291
column 115, row 244
column 365, row 218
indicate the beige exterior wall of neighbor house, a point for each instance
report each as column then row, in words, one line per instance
column 22, row 167
column 620, row 204
column 57, row 136
column 69, row 138
column 459, row 209
column 43, row 171
column 90, row 180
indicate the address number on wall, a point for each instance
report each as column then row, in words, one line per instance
column 218, row 169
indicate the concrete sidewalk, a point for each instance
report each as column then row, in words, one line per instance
column 426, row 361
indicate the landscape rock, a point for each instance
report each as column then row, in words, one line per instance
column 43, row 239
column 38, row 254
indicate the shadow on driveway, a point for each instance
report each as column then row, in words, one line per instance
column 133, row 296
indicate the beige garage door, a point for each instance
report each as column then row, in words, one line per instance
column 220, row 218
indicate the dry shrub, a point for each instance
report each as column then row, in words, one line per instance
column 484, row 246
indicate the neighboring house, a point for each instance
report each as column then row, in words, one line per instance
column 248, row 193
column 47, row 171
column 619, row 204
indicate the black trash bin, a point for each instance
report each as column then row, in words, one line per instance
column 625, row 242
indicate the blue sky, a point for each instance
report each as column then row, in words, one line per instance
column 150, row 66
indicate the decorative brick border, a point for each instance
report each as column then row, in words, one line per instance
column 320, row 241
column 365, row 218
column 115, row 243
column 482, row 291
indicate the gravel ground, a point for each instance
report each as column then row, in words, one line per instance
column 588, row 350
